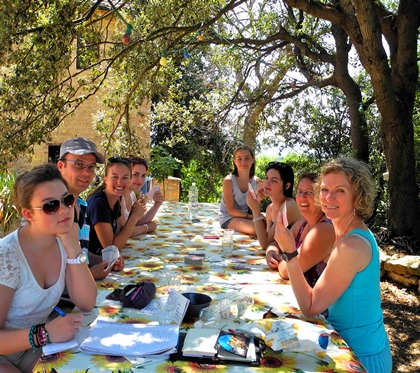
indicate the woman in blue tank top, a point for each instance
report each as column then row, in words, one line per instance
column 346, row 194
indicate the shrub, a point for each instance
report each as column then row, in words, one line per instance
column 8, row 213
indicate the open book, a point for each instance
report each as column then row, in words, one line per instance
column 123, row 339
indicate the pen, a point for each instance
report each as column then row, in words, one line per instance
column 60, row 312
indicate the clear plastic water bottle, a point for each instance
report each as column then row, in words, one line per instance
column 193, row 202
column 229, row 308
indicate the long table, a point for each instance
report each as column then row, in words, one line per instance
column 149, row 258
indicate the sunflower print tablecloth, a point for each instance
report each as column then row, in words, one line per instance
column 150, row 257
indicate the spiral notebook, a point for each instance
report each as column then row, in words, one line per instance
column 123, row 339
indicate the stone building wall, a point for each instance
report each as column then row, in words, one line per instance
column 80, row 124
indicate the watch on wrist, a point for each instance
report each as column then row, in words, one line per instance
column 80, row 259
column 288, row 256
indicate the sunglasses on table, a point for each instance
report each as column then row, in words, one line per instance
column 51, row 207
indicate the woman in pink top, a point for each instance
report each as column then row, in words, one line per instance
column 314, row 235
column 278, row 186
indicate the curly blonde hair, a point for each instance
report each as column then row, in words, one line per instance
column 360, row 179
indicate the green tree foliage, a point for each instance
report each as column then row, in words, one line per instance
column 36, row 39
column 254, row 55
column 163, row 165
column 8, row 213
column 317, row 123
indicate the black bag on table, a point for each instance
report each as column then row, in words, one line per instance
column 135, row 295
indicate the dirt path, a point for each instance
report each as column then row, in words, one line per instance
column 401, row 309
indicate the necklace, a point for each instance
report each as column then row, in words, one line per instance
column 338, row 238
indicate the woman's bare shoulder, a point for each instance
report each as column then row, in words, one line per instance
column 296, row 226
column 290, row 202
column 352, row 245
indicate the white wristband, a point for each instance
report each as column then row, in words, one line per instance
column 147, row 227
column 258, row 218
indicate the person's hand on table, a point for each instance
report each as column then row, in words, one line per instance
column 273, row 258
column 63, row 329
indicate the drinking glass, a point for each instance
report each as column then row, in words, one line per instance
column 166, row 310
column 173, row 280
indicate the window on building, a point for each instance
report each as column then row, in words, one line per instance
column 53, row 153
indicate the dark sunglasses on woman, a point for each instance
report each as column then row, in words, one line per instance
column 51, row 207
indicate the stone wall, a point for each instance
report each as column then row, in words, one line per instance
column 81, row 122
column 170, row 188
column 401, row 268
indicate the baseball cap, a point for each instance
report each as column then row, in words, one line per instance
column 80, row 146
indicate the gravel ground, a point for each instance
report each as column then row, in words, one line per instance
column 401, row 314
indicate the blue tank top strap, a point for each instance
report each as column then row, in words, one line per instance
column 364, row 235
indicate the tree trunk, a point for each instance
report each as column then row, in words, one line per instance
column 251, row 127
column 343, row 80
column 394, row 85
column 394, row 80
column 397, row 137
column 258, row 103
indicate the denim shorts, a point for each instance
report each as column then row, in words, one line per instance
column 24, row 360
column 226, row 223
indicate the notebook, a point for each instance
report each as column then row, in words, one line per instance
column 53, row 348
column 123, row 339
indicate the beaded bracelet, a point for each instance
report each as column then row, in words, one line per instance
column 47, row 335
column 42, row 334
column 38, row 336
column 258, row 218
column 35, row 336
column 31, row 336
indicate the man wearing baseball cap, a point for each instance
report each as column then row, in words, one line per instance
column 77, row 164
